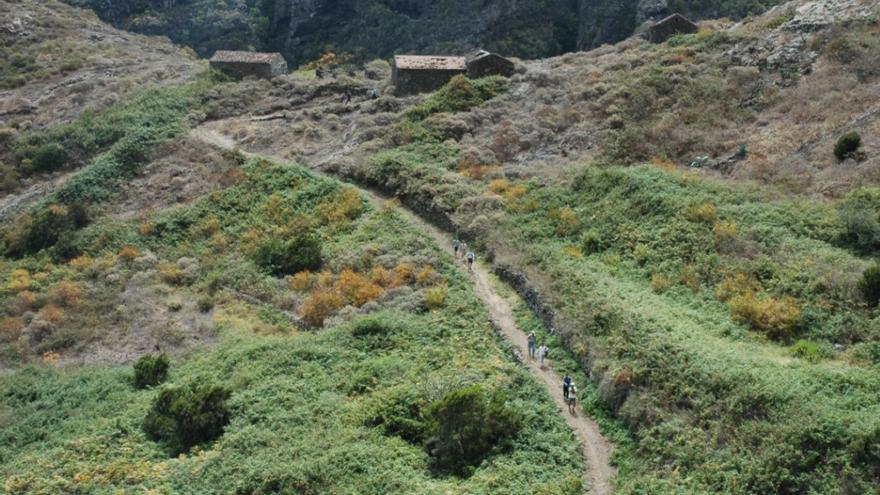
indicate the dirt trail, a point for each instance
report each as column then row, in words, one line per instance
column 596, row 449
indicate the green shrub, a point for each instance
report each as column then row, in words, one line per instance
column 847, row 145
column 183, row 417
column 48, row 157
column 150, row 371
column 593, row 242
column 371, row 326
column 807, row 350
column 44, row 228
column 869, row 285
column 861, row 228
column 466, row 425
column 458, row 95
column 399, row 414
column 205, row 303
column 869, row 351
column 280, row 258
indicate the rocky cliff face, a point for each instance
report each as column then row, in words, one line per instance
column 304, row 29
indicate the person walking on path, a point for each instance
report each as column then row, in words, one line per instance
column 533, row 343
column 347, row 97
column 463, row 247
column 542, row 353
column 470, row 260
column 572, row 398
column 566, row 385
column 455, row 245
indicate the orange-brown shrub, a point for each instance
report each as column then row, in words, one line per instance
column 499, row 186
column 702, row 213
column 170, row 273
column 660, row 283
column 66, row 294
column 127, row 254
column 664, row 164
column 471, row 167
column 10, row 329
column 319, row 305
column 300, row 281
column 325, row 280
column 51, row 313
column 404, row 273
column 25, row 300
column 778, row 318
column 356, row 288
column 426, row 275
column 19, row 280
column 736, row 285
column 81, row 263
column 380, row 276
column 147, row 228
column 344, row 206
column 567, row 222
column 724, row 231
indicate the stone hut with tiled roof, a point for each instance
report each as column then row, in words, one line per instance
column 666, row 28
column 418, row 73
column 483, row 63
column 240, row 64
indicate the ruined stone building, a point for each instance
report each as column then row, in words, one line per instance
column 419, row 74
column 675, row 24
column 483, row 63
column 240, row 64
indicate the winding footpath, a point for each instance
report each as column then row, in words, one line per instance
column 596, row 449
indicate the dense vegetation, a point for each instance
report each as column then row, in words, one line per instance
column 359, row 406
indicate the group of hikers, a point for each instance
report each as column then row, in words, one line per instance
column 346, row 97
column 569, row 390
column 461, row 248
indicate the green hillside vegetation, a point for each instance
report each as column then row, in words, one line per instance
column 723, row 323
column 356, row 407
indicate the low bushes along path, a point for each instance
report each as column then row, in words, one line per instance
column 596, row 449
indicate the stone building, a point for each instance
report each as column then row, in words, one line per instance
column 675, row 24
column 240, row 64
column 418, row 74
column 483, row 63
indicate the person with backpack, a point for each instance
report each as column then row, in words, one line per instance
column 533, row 343
column 374, row 94
column 470, row 260
column 455, row 245
column 566, row 385
column 572, row 398
column 543, row 351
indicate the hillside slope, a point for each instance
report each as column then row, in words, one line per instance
column 673, row 218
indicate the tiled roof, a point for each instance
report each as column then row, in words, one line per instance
column 246, row 57
column 429, row 62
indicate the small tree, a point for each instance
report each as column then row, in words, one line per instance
column 184, row 417
column 150, row 371
column 466, row 425
column 280, row 257
column 48, row 157
column 869, row 285
column 847, row 145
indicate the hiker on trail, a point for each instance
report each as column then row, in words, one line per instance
column 319, row 73
column 543, row 351
column 533, row 343
column 347, row 97
column 572, row 398
column 455, row 245
column 470, row 260
column 374, row 93
column 566, row 385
